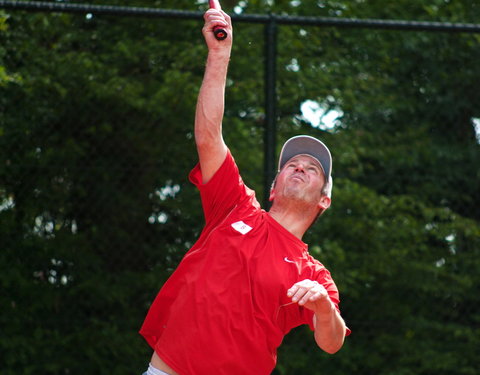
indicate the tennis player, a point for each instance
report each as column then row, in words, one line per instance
column 249, row 278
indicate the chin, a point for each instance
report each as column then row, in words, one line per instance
column 296, row 196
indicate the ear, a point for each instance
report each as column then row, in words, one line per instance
column 324, row 202
column 272, row 195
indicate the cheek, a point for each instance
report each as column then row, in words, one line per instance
column 317, row 186
column 280, row 181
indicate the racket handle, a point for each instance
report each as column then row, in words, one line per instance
column 219, row 33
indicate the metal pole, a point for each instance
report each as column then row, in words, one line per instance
column 270, row 131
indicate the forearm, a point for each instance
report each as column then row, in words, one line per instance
column 211, row 102
column 329, row 326
column 329, row 329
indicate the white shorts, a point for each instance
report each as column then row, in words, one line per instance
column 154, row 371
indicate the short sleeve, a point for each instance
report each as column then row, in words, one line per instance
column 223, row 192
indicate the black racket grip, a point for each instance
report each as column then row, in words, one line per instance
column 219, row 33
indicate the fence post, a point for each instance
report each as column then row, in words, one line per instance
column 270, row 130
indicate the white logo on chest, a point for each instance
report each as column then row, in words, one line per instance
column 241, row 227
column 288, row 260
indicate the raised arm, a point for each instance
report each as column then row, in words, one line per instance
column 211, row 99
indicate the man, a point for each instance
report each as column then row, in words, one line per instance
column 249, row 279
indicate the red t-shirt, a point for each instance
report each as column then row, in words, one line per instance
column 225, row 309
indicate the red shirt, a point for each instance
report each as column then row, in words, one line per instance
column 225, row 309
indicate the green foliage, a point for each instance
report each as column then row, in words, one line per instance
column 96, row 142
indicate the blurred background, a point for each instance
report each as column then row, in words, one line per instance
column 96, row 211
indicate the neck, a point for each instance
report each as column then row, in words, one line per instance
column 294, row 217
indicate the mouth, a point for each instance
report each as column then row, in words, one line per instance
column 297, row 177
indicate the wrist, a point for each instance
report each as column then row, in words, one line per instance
column 221, row 55
column 325, row 309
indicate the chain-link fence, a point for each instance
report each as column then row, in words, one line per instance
column 96, row 209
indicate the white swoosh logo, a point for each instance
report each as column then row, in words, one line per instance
column 288, row 260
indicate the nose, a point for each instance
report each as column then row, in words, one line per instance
column 300, row 168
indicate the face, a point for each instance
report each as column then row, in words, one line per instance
column 302, row 179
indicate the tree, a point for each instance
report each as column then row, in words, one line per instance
column 96, row 209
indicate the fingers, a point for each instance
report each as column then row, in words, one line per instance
column 216, row 18
column 306, row 291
